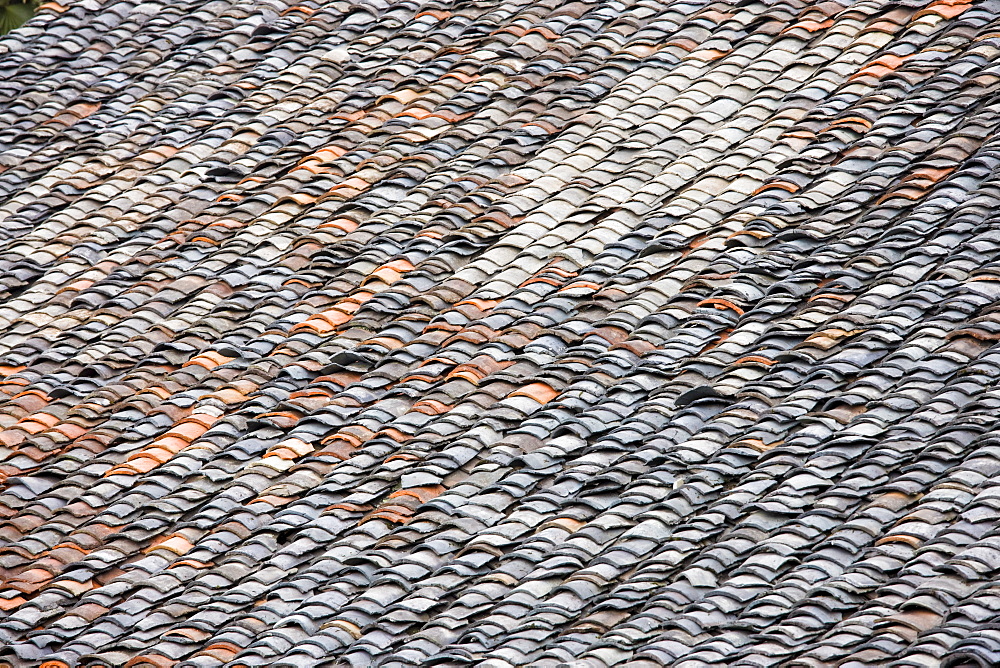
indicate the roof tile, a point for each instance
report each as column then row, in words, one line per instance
column 506, row 333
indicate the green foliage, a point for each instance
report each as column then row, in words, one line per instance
column 13, row 14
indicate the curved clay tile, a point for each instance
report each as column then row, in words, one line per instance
column 499, row 333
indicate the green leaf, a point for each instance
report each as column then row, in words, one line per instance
column 12, row 16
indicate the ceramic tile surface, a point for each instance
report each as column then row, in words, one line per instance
column 500, row 333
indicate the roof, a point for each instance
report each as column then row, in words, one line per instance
column 500, row 333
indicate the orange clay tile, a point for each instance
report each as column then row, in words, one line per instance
column 414, row 112
column 404, row 456
column 912, row 541
column 430, row 407
column 209, row 360
column 544, row 32
column 391, row 272
column 272, row 500
column 852, row 121
column 928, row 174
column 137, row 466
column 635, row 346
column 439, row 14
column 948, row 9
column 386, row 342
column 779, row 185
column 84, row 109
column 11, row 603
column 395, row 434
column 12, row 438
column 30, row 580
column 192, row 563
column 461, row 76
column 349, row 507
column 37, row 422
column 810, row 25
column 354, row 434
column 882, row 66
column 685, row 43
column 188, row 431
column 343, row 224
column 405, row 96
column 578, row 285
column 477, row 370
column 612, row 335
column 721, row 305
column 423, row 493
column 482, row 304
column 393, row 514
column 283, row 453
column 352, row 116
column 177, row 544
column 222, row 652
column 754, row 359
column 229, row 396
column 540, row 392
column 340, row 449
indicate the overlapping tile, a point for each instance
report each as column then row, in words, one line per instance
column 499, row 333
